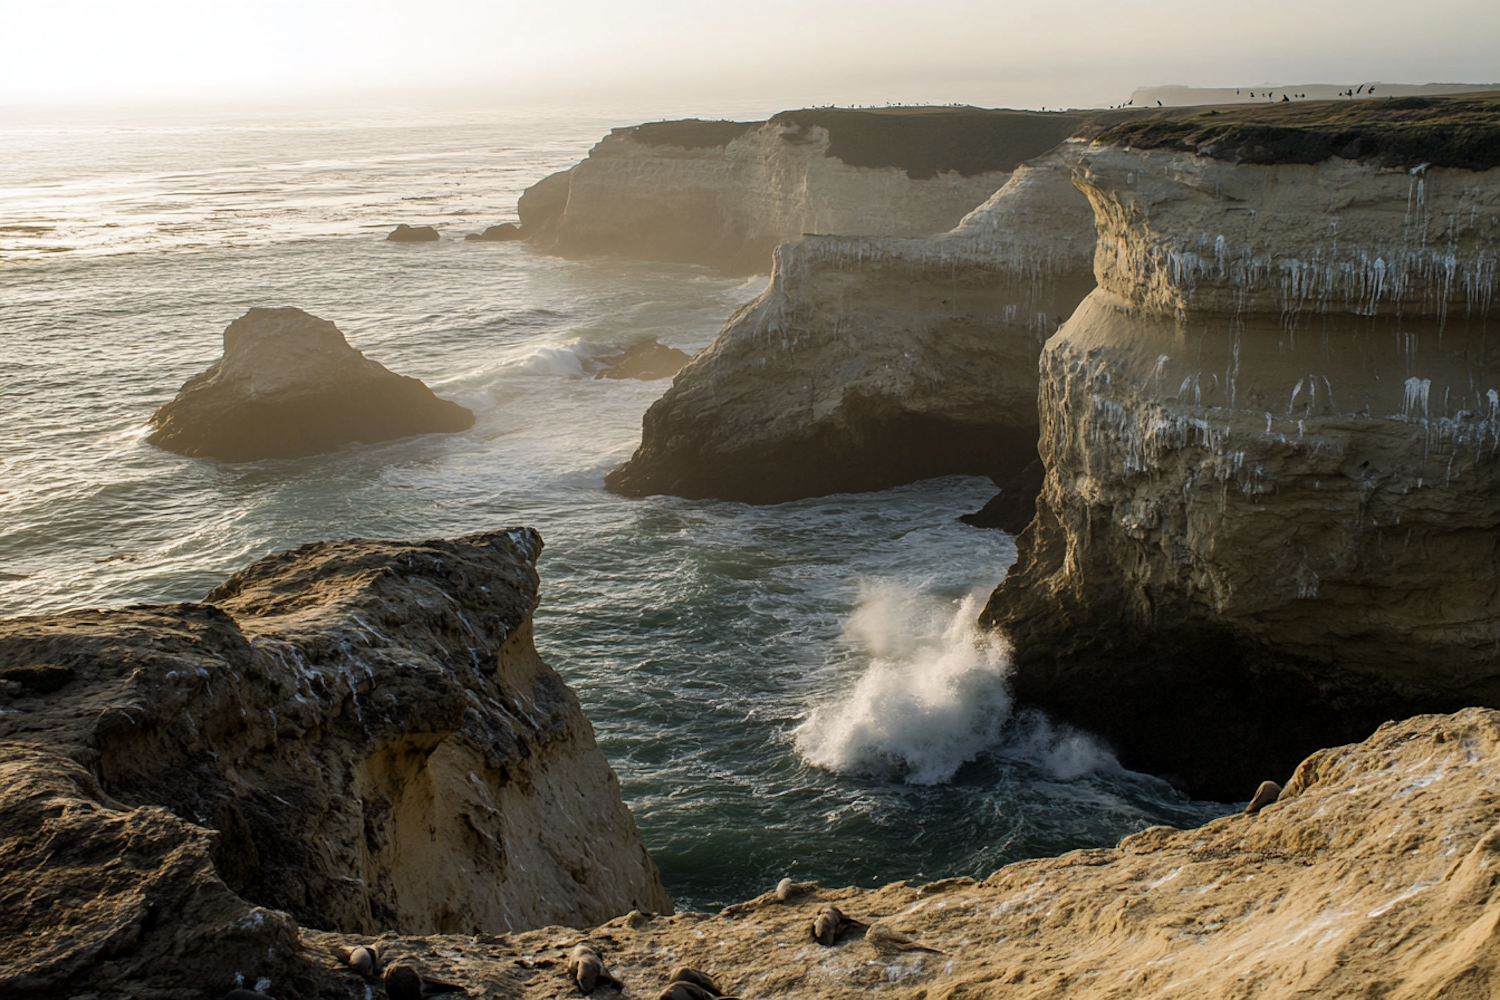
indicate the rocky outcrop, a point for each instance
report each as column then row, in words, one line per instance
column 873, row 362
column 290, row 385
column 355, row 736
column 412, row 234
column 726, row 193
column 506, row 232
column 1270, row 511
column 647, row 360
column 1374, row 874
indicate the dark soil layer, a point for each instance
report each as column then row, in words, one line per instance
column 1407, row 132
column 692, row 133
column 926, row 142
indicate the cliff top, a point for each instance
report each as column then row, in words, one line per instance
column 1461, row 131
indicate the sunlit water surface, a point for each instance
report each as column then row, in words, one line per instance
column 791, row 689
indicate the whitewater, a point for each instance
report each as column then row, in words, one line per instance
column 794, row 689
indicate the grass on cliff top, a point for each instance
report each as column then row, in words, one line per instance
column 923, row 142
column 1461, row 131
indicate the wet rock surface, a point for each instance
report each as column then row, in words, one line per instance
column 289, row 385
column 647, row 360
column 413, row 234
column 506, row 232
column 354, row 735
column 1270, row 439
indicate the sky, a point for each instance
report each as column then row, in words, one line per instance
column 718, row 56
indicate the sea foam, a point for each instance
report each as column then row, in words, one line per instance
column 932, row 697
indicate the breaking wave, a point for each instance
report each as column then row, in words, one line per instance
column 932, row 697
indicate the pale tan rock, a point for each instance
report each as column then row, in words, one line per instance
column 1271, row 500
column 1372, row 875
column 873, row 362
column 360, row 734
column 726, row 193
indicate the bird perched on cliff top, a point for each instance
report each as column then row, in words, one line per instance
column 588, row 971
column 363, row 959
column 404, row 982
column 887, row 940
column 830, row 924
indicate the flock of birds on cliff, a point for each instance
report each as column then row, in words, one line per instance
column 1363, row 90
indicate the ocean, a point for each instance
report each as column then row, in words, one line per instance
column 794, row 689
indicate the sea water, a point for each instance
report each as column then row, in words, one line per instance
column 793, row 689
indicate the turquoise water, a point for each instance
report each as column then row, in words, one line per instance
column 789, row 689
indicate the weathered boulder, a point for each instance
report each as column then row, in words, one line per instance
column 290, row 385
column 647, row 360
column 868, row 363
column 1271, row 512
column 726, row 193
column 412, row 234
column 1373, row 875
column 506, row 232
column 351, row 735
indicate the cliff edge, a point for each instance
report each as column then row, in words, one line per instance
column 1270, row 511
column 725, row 194
column 354, row 735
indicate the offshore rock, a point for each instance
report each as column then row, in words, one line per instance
column 290, row 385
column 725, row 194
column 1270, row 511
column 506, row 232
column 868, row 363
column 647, row 360
column 352, row 735
column 412, row 234
column 1374, row 874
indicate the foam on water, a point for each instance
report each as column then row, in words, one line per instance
column 932, row 698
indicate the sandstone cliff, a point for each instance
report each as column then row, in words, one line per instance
column 356, row 736
column 726, row 193
column 1374, row 875
column 1270, row 436
column 290, row 385
column 873, row 362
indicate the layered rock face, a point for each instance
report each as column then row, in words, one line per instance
column 290, row 385
column 1374, row 874
column 356, row 736
column 1271, row 511
column 873, row 362
column 726, row 193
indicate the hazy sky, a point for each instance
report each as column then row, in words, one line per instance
column 756, row 56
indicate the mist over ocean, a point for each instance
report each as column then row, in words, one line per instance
column 795, row 689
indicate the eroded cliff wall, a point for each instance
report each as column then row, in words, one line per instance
column 1272, row 500
column 355, row 736
column 872, row 362
column 726, row 194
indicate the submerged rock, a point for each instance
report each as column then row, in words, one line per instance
column 290, row 385
column 868, row 363
column 1372, row 874
column 1272, row 448
column 506, row 232
column 647, row 360
column 352, row 735
column 412, row 234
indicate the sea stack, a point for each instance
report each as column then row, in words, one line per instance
column 1271, row 436
column 289, row 385
column 868, row 363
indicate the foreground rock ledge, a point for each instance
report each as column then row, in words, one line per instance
column 352, row 735
column 1375, row 875
column 289, row 385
